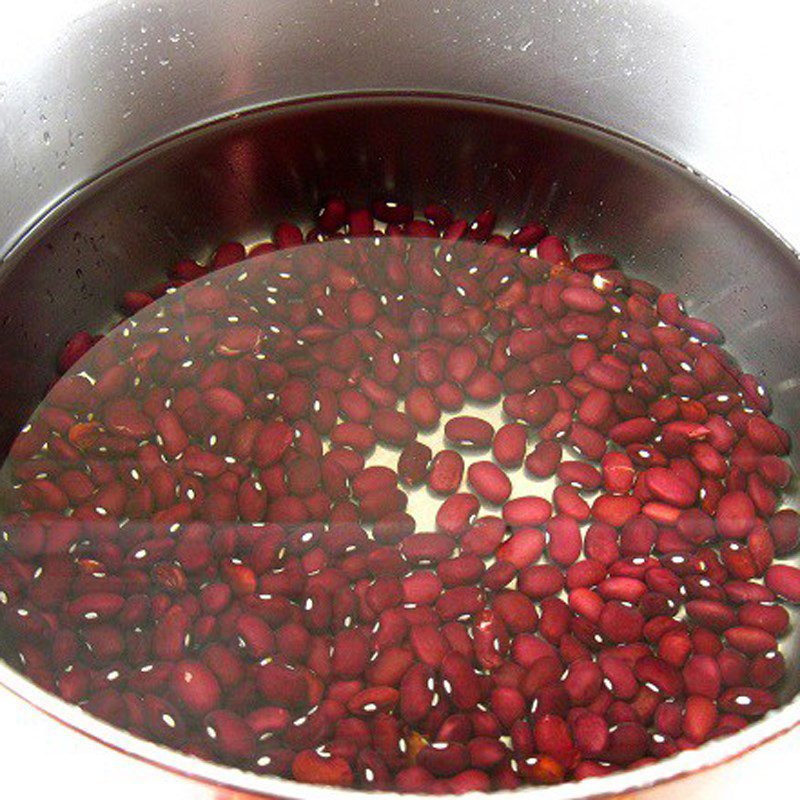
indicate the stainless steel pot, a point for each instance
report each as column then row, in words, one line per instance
column 85, row 108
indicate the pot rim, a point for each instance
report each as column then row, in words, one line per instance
column 28, row 234
column 711, row 754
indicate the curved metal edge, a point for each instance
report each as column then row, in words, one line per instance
column 64, row 201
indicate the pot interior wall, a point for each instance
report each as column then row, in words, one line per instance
column 234, row 179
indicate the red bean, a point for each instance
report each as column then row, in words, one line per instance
column 464, row 685
column 522, row 548
column 461, row 363
column 620, row 623
column 615, row 510
column 543, row 461
column 427, row 547
column 749, row 702
column 552, row 737
column 567, row 500
column 489, row 482
column 735, row 515
column 422, row 407
column 669, row 487
column 75, row 348
column 771, row 618
column 583, row 682
column 541, row 581
column 373, row 479
column 446, row 472
column 767, row 669
column 196, row 687
column 421, row 587
column 309, row 766
column 620, row 676
column 784, row 580
column 416, row 694
column 526, row 511
column 508, row 446
column 699, row 719
column 413, row 464
column 355, row 435
column 702, row 676
column 590, row 733
column 230, row 736
column 255, row 635
column 469, row 432
column 272, row 443
column 565, row 540
column 579, row 474
column 459, row 601
column 711, row 614
column 456, row 513
column 750, row 641
column 95, row 607
column 428, row 644
column 785, row 530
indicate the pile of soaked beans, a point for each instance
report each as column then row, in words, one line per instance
column 210, row 536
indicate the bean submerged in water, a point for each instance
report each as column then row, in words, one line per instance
column 214, row 535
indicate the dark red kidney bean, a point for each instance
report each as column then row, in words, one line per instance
column 526, row 511
column 579, row 475
column 309, row 766
column 446, row 472
column 522, row 548
column 469, row 432
column 565, row 542
column 767, row 669
column 543, row 461
column 541, row 581
column 195, row 687
column 509, row 443
column 422, row 406
column 427, row 548
column 413, row 464
column 464, row 685
column 767, row 616
column 784, row 580
column 489, row 482
column 393, row 427
column 620, row 623
column 484, row 536
column 457, row 513
column 749, row 702
column 373, row 479
column 230, row 736
column 459, row 601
